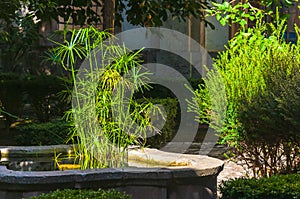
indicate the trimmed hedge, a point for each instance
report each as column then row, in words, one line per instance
column 158, row 91
column 49, row 133
column 171, row 125
column 275, row 187
column 11, row 95
column 57, row 132
column 38, row 90
column 43, row 96
column 84, row 194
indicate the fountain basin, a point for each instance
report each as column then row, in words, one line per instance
column 151, row 173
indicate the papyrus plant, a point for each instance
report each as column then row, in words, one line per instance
column 105, row 118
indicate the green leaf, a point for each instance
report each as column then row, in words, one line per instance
column 243, row 22
column 246, row 6
column 251, row 18
column 223, row 21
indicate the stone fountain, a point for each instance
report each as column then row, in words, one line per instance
column 150, row 173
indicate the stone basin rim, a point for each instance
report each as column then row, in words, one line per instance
column 162, row 158
column 198, row 176
column 201, row 165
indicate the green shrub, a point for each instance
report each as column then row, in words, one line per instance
column 49, row 133
column 160, row 92
column 171, row 124
column 277, row 186
column 83, row 194
column 11, row 95
column 261, row 75
column 40, row 91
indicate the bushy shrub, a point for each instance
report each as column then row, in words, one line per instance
column 277, row 186
column 48, row 133
column 160, row 92
column 83, row 194
column 43, row 96
column 11, row 95
column 38, row 91
column 171, row 124
column 261, row 75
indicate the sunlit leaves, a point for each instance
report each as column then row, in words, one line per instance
column 154, row 13
column 240, row 13
column 105, row 119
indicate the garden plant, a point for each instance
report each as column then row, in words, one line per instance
column 102, row 124
column 84, row 194
column 277, row 186
column 260, row 71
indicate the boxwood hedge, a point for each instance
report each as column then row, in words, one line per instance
column 84, row 194
column 275, row 187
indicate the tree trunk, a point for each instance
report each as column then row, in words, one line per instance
column 109, row 15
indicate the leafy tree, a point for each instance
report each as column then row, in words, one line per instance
column 20, row 20
column 18, row 34
column 153, row 13
column 138, row 12
column 81, row 11
column 242, row 12
column 7, row 11
column 8, row 8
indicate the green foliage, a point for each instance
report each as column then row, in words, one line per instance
column 45, row 10
column 19, row 37
column 11, row 95
column 161, row 95
column 39, row 91
column 277, row 186
column 84, row 194
column 278, row 3
column 237, row 12
column 8, row 9
column 49, row 133
column 43, row 94
column 154, row 13
column 169, row 129
column 160, row 92
column 138, row 12
column 260, row 72
column 81, row 12
column 19, row 32
column 8, row 76
column 105, row 119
